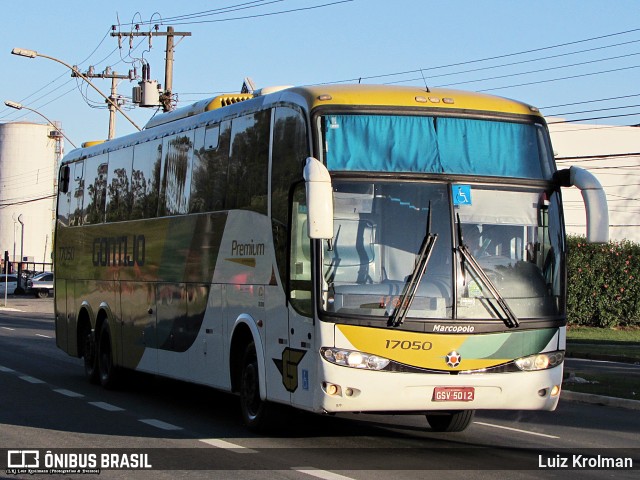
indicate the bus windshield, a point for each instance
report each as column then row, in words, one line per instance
column 378, row 231
column 514, row 234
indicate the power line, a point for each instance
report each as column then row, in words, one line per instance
column 485, row 59
column 215, row 11
column 590, row 101
column 593, row 127
column 571, row 77
column 173, row 21
column 590, row 158
column 616, row 167
column 594, row 118
column 595, row 110
column 30, row 200
column 545, row 69
column 219, row 11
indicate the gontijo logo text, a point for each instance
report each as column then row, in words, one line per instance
column 122, row 251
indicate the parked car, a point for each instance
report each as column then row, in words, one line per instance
column 41, row 285
column 10, row 282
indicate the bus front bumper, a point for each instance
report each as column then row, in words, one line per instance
column 347, row 389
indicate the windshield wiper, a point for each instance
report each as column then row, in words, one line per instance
column 413, row 281
column 508, row 317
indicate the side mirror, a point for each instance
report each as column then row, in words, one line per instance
column 595, row 201
column 319, row 199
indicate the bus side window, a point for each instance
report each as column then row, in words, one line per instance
column 70, row 202
column 176, row 178
column 118, row 185
column 145, row 179
column 77, row 195
column 290, row 149
column 300, row 266
column 210, row 168
column 249, row 162
column 64, row 203
column 96, row 188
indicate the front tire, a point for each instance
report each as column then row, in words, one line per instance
column 254, row 409
column 450, row 421
column 107, row 371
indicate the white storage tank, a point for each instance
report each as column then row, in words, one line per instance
column 29, row 154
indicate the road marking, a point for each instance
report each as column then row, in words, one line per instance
column 45, row 336
column 218, row 443
column 159, row 424
column 314, row 472
column 68, row 393
column 6, row 369
column 106, row 406
column 7, row 328
column 516, row 430
column 29, row 379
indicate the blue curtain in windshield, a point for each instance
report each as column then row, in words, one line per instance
column 382, row 143
column 432, row 145
column 489, row 148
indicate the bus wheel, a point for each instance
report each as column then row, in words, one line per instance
column 450, row 421
column 90, row 356
column 108, row 372
column 254, row 409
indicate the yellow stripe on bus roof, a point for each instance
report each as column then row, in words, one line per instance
column 390, row 96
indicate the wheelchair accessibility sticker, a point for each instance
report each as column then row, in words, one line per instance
column 461, row 194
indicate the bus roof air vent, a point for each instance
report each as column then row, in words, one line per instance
column 228, row 99
column 198, row 107
column 92, row 143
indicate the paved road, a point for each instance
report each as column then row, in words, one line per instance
column 599, row 366
column 47, row 404
column 26, row 304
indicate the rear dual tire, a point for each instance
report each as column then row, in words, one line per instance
column 90, row 355
column 107, row 371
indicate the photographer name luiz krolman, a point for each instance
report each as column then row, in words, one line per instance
column 581, row 461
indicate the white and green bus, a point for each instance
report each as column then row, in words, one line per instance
column 332, row 248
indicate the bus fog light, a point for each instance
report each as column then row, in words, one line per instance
column 541, row 361
column 555, row 391
column 332, row 389
column 543, row 392
column 351, row 392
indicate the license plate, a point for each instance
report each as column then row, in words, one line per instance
column 453, row 394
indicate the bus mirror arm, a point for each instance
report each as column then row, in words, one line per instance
column 595, row 201
column 319, row 200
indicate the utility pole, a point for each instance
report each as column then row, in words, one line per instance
column 113, row 98
column 166, row 98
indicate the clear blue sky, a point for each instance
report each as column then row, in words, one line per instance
column 293, row 42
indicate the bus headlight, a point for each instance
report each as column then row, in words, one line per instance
column 540, row 361
column 353, row 358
